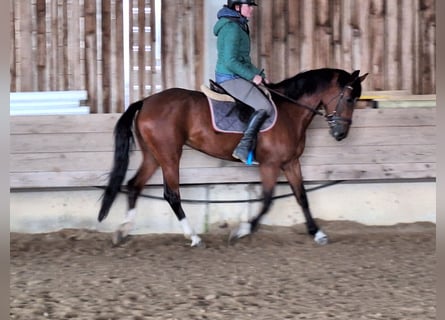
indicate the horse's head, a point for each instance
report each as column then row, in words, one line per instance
column 339, row 102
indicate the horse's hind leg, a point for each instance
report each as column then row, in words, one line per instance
column 135, row 186
column 172, row 196
column 269, row 176
column 293, row 175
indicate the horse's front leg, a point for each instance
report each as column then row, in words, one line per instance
column 293, row 174
column 269, row 176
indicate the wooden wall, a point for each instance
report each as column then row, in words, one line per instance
column 77, row 151
column 393, row 40
column 69, row 45
column 78, row 44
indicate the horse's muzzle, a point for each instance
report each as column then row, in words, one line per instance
column 339, row 130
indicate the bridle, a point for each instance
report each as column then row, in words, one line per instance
column 331, row 118
column 335, row 116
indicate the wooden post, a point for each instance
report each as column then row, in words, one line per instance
column 322, row 34
column 307, row 34
column 293, row 38
column 377, row 39
column 392, row 48
column 106, row 57
column 13, row 51
column 118, row 83
column 91, row 54
column 42, row 84
column 25, row 54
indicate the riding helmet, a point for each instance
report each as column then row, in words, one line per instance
column 231, row 3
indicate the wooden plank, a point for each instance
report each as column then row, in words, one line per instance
column 63, row 124
column 405, row 103
column 62, row 13
column 279, row 32
column 197, row 7
column 106, row 57
column 307, row 28
column 118, row 103
column 106, row 122
column 367, row 136
column 392, row 36
column 370, row 171
column 365, row 155
column 415, row 97
column 427, row 46
column 388, row 118
column 73, row 44
column 98, row 141
column 42, row 77
column 141, row 45
column 346, row 34
column 13, row 46
column 293, row 40
column 322, row 34
column 25, row 52
column 91, row 67
column 61, row 142
column 377, row 38
column 362, row 29
column 407, row 32
column 53, row 53
column 169, row 43
column 100, row 160
column 336, row 35
column 230, row 175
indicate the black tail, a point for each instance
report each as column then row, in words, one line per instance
column 123, row 137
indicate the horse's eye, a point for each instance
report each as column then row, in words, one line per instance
column 350, row 100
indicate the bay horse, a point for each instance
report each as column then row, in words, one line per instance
column 166, row 121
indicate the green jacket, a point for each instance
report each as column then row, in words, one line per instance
column 233, row 46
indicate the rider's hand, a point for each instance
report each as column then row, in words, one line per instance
column 257, row 79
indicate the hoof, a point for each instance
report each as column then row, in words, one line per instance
column 197, row 242
column 121, row 234
column 118, row 238
column 243, row 230
column 321, row 238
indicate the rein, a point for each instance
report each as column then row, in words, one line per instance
column 314, row 110
column 330, row 118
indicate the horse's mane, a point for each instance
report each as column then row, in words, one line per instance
column 311, row 81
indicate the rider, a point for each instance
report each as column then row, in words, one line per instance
column 236, row 73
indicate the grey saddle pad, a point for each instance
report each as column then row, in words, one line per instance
column 226, row 117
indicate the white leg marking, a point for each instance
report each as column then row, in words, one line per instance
column 128, row 222
column 189, row 233
column 125, row 227
column 243, row 229
column 130, row 216
column 321, row 238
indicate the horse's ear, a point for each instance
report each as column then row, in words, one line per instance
column 354, row 75
column 363, row 77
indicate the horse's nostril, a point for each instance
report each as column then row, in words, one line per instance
column 338, row 135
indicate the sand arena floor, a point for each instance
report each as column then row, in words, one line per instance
column 278, row 273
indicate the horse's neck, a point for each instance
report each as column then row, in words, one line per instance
column 301, row 117
column 308, row 106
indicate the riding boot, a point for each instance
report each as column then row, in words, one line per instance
column 241, row 151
